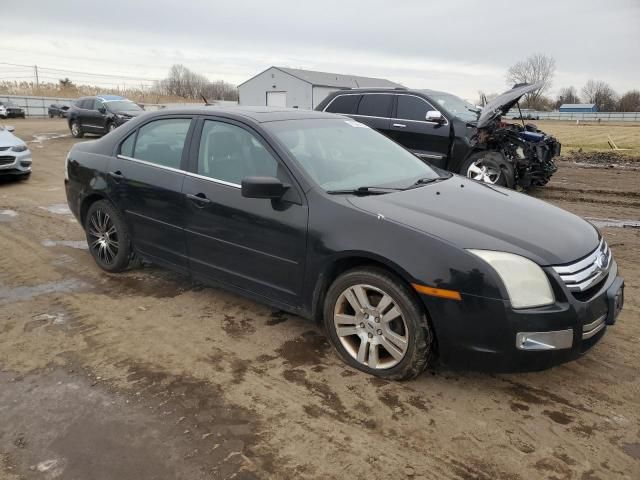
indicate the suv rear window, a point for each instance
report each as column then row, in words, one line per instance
column 375, row 105
column 344, row 104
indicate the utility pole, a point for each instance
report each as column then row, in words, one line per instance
column 35, row 68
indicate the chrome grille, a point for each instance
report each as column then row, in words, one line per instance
column 583, row 274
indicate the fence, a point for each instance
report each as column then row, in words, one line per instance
column 587, row 116
column 38, row 106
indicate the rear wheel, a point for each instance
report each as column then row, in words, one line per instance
column 377, row 325
column 108, row 237
column 486, row 167
column 76, row 129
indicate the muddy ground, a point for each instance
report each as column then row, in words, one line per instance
column 148, row 375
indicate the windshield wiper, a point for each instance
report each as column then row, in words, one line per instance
column 426, row 181
column 364, row 191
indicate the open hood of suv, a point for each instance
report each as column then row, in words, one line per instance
column 504, row 102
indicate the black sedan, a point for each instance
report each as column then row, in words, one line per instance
column 320, row 215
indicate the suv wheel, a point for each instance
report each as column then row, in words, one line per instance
column 108, row 237
column 377, row 325
column 76, row 129
column 486, row 167
column 111, row 127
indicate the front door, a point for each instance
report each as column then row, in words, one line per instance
column 257, row 245
column 409, row 127
column 146, row 183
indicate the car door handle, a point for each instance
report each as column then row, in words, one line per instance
column 399, row 125
column 117, row 175
column 199, row 199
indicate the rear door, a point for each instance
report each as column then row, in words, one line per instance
column 254, row 244
column 409, row 127
column 146, row 180
column 374, row 110
column 90, row 117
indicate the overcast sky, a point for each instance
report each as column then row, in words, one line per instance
column 454, row 45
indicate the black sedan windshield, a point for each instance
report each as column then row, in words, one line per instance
column 342, row 154
column 122, row 106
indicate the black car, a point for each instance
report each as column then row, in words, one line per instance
column 450, row 133
column 320, row 215
column 100, row 114
column 57, row 110
column 11, row 110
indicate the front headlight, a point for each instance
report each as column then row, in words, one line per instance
column 526, row 283
column 19, row 148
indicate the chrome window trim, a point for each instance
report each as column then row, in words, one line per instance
column 177, row 170
column 386, row 118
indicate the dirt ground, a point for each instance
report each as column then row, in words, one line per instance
column 147, row 375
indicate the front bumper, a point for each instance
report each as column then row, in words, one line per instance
column 479, row 333
column 15, row 163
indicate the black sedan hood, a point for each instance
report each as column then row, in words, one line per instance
column 470, row 214
column 503, row 103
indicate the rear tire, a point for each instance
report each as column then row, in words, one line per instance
column 377, row 325
column 487, row 167
column 108, row 237
column 76, row 129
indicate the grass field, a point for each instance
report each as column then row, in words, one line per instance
column 593, row 136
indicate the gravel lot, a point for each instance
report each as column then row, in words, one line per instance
column 148, row 375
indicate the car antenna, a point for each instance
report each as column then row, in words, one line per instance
column 206, row 102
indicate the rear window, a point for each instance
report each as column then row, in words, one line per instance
column 162, row 141
column 344, row 104
column 375, row 105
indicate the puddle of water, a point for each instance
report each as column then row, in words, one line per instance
column 7, row 215
column 16, row 294
column 57, row 319
column 612, row 222
column 43, row 137
column 79, row 244
column 58, row 208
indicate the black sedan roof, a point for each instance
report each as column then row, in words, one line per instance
column 257, row 114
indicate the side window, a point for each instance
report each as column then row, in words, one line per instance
column 412, row 108
column 162, row 141
column 375, row 105
column 344, row 104
column 98, row 104
column 230, row 153
column 126, row 147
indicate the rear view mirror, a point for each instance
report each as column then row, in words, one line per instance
column 434, row 116
column 263, row 187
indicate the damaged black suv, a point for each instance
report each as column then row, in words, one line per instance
column 450, row 133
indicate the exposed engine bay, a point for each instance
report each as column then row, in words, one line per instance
column 529, row 151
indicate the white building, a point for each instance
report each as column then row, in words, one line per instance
column 294, row 88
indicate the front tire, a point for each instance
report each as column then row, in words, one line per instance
column 487, row 167
column 76, row 129
column 108, row 237
column 377, row 325
column 111, row 127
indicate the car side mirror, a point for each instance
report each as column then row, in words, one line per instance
column 10, row 128
column 263, row 187
column 434, row 116
column 102, row 110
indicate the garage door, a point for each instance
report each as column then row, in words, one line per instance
column 276, row 99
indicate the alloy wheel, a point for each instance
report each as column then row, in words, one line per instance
column 371, row 326
column 482, row 172
column 74, row 128
column 103, row 237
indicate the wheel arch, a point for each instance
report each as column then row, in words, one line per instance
column 350, row 260
column 87, row 202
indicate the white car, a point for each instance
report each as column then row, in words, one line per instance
column 15, row 157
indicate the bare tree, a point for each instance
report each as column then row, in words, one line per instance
column 630, row 102
column 536, row 68
column 600, row 93
column 567, row 95
column 184, row 83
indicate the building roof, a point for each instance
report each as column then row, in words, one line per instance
column 577, row 105
column 338, row 80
